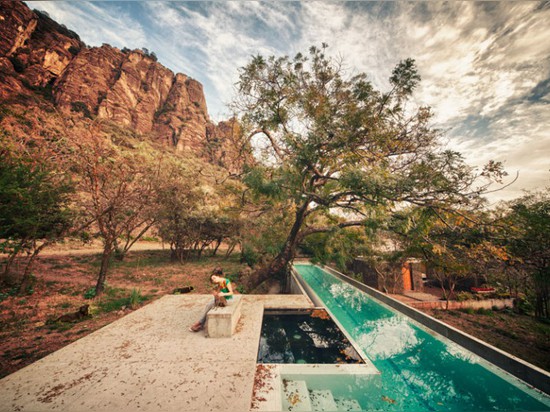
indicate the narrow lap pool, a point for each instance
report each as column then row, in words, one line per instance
column 419, row 370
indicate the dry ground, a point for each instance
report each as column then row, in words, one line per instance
column 27, row 328
column 521, row 335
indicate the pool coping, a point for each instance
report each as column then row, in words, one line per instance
column 532, row 375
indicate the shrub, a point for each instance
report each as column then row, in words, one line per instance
column 74, row 50
column 464, row 296
column 90, row 293
column 524, row 306
column 486, row 312
column 249, row 256
column 135, row 298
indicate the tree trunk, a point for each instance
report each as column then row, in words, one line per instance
column 9, row 262
column 230, row 250
column 105, row 261
column 26, row 281
column 280, row 265
column 216, row 247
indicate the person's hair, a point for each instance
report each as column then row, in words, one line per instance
column 217, row 271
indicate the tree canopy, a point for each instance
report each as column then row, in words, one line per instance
column 334, row 148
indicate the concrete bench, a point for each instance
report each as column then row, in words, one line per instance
column 222, row 322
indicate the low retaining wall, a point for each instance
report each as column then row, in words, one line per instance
column 531, row 374
column 474, row 304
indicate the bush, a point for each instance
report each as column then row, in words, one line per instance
column 90, row 293
column 524, row 306
column 486, row 312
column 74, row 50
column 135, row 298
column 464, row 296
column 249, row 256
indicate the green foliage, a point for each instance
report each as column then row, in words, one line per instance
column 524, row 306
column 250, row 256
column 528, row 241
column 464, row 296
column 6, row 294
column 485, row 312
column 135, row 298
column 339, row 247
column 117, row 299
column 33, row 204
column 34, row 207
column 90, row 293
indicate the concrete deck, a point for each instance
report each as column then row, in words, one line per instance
column 149, row 361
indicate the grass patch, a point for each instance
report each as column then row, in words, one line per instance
column 64, row 305
column 61, row 265
column 485, row 312
column 59, row 326
column 454, row 313
column 117, row 299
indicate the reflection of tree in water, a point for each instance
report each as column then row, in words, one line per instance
column 308, row 338
column 274, row 345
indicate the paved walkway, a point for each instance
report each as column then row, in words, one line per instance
column 149, row 361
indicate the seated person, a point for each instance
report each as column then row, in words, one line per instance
column 224, row 288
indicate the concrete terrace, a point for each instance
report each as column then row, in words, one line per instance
column 149, row 361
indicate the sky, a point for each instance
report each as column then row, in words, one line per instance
column 485, row 66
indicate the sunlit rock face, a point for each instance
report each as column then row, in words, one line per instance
column 130, row 88
column 89, row 78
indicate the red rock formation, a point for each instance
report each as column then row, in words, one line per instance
column 88, row 78
column 127, row 87
column 182, row 119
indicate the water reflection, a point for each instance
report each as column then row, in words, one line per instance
column 304, row 338
column 386, row 338
column 418, row 370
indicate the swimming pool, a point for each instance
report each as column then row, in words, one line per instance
column 306, row 336
column 419, row 370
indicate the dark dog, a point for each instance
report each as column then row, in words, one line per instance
column 185, row 289
column 82, row 313
column 220, row 301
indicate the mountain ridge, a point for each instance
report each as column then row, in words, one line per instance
column 128, row 87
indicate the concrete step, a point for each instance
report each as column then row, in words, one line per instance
column 296, row 396
column 322, row 400
column 347, row 405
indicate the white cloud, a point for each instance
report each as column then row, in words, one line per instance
column 94, row 24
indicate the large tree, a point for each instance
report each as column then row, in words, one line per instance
column 335, row 147
column 116, row 187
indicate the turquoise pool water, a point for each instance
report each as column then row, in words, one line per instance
column 419, row 370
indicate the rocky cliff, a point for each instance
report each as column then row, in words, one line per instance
column 127, row 87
